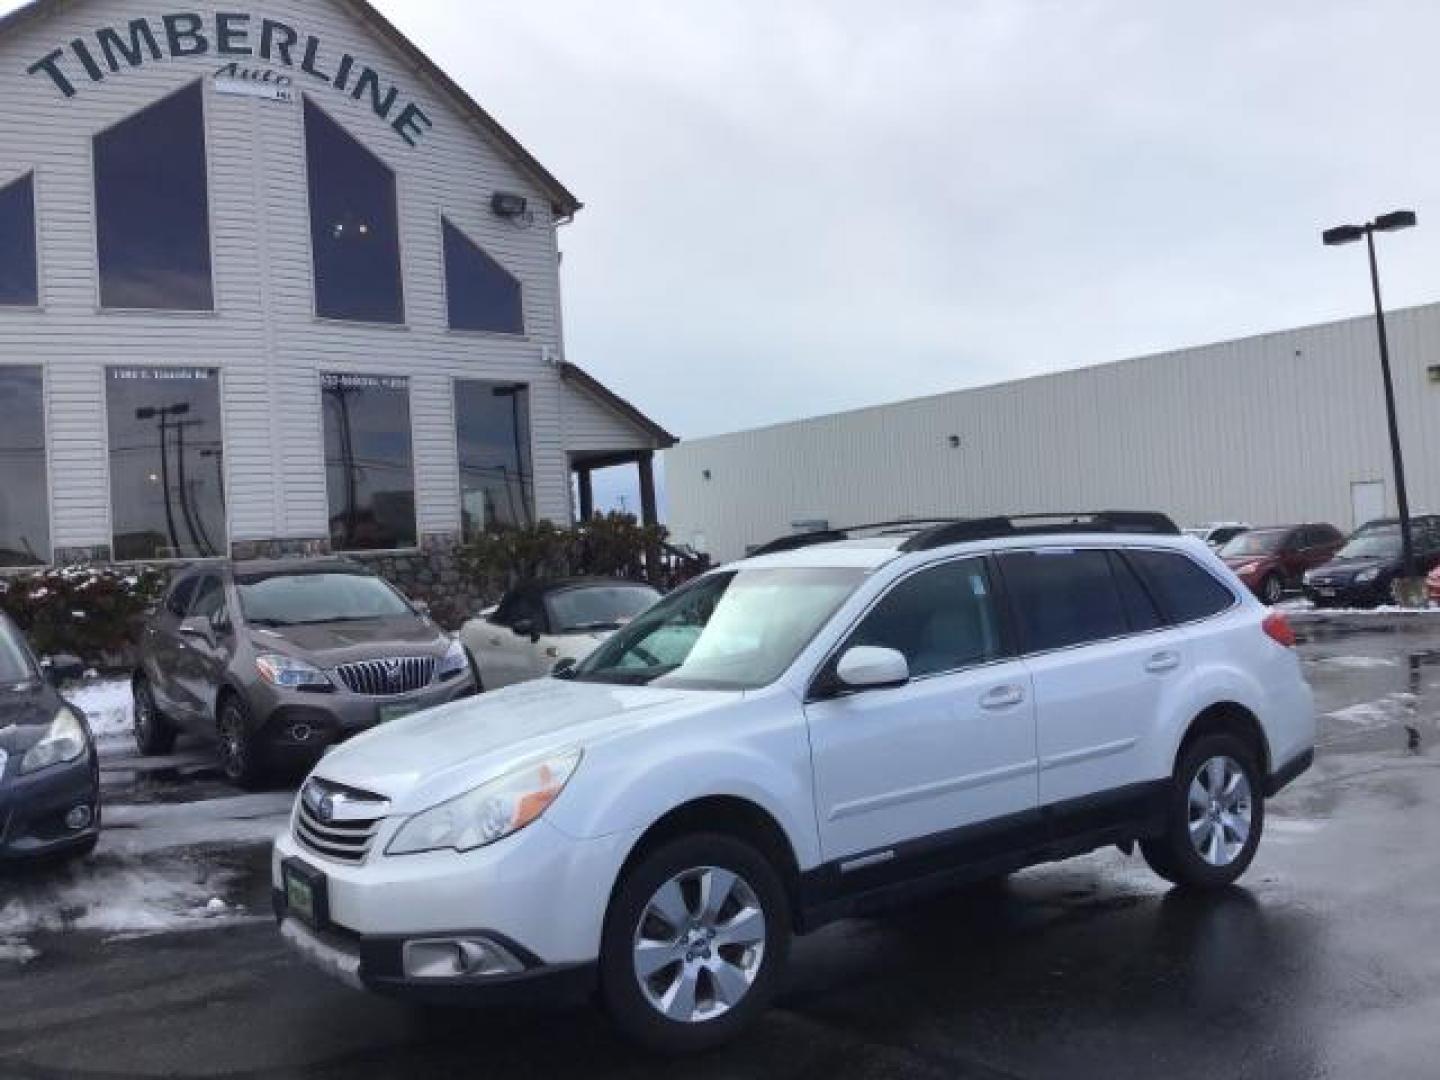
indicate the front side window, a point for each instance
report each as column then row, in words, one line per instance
column 298, row 599
column 15, row 664
column 941, row 619
column 369, row 462
column 152, row 208
column 1063, row 598
column 167, row 463
column 19, row 278
column 24, row 488
column 492, row 427
column 354, row 226
column 1374, row 542
column 481, row 294
column 1184, row 591
column 1256, row 543
column 209, row 599
column 734, row 630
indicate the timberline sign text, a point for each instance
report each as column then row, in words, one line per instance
column 231, row 35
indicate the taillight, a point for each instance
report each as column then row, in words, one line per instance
column 1278, row 627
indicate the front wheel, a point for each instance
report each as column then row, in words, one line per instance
column 1272, row 590
column 695, row 944
column 240, row 753
column 1216, row 815
column 154, row 734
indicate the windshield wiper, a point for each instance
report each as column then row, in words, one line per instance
column 589, row 627
column 270, row 624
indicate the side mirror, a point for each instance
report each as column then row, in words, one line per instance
column 564, row 667
column 526, row 628
column 866, row 667
column 422, row 606
column 197, row 626
column 63, row 669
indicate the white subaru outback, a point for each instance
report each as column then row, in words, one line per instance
column 794, row 739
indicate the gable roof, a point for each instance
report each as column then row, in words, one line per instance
column 562, row 201
column 577, row 375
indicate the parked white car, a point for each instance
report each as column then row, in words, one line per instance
column 542, row 623
column 790, row 740
column 1218, row 533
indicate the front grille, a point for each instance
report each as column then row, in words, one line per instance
column 387, row 678
column 355, row 818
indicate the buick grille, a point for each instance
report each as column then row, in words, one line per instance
column 388, row 678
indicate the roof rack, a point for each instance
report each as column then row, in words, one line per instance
column 830, row 536
column 995, row 528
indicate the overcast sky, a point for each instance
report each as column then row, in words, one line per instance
column 799, row 206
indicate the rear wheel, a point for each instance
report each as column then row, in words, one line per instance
column 154, row 734
column 1216, row 815
column 241, row 755
column 695, row 944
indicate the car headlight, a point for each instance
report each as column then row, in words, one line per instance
column 491, row 812
column 1367, row 576
column 289, row 673
column 64, row 741
column 454, row 662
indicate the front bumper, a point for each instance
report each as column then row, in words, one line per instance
column 541, row 894
column 33, row 810
column 1348, row 594
column 300, row 723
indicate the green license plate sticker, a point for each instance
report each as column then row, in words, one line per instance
column 299, row 896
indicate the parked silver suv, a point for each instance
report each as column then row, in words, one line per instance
column 280, row 660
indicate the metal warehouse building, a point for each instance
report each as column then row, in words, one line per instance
column 1283, row 427
column 270, row 282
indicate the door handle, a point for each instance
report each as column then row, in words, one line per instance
column 1003, row 697
column 1162, row 662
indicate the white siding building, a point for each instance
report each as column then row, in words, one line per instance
column 271, row 282
column 1278, row 428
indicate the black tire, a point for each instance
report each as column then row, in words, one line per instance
column 1272, row 589
column 1174, row 855
column 620, row 985
column 154, row 733
column 241, row 753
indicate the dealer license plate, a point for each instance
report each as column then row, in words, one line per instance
column 301, row 895
column 396, row 712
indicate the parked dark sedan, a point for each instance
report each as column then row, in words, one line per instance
column 1363, row 572
column 279, row 660
column 49, row 772
column 1273, row 560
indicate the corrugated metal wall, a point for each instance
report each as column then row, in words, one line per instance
column 1268, row 429
column 263, row 335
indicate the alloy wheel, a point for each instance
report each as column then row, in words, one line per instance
column 233, row 750
column 1221, row 809
column 699, row 945
column 144, row 713
column 1274, row 590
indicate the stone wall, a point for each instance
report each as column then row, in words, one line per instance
column 433, row 575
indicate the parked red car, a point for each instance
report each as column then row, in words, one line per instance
column 1273, row 560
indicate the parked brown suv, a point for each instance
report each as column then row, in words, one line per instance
column 279, row 660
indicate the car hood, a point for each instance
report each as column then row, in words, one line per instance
column 439, row 754
column 328, row 644
column 1336, row 567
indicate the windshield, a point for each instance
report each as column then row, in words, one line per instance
column 737, row 630
column 1377, row 543
column 301, row 599
column 604, row 607
column 15, row 666
column 1260, row 542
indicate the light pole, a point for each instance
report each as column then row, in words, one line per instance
column 1349, row 234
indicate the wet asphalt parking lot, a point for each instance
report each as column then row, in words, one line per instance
column 157, row 958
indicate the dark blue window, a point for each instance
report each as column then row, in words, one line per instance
column 152, row 208
column 18, row 279
column 492, row 423
column 24, row 492
column 354, row 229
column 369, row 462
column 483, row 295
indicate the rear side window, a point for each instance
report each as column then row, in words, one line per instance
column 1140, row 610
column 1185, row 591
column 1063, row 598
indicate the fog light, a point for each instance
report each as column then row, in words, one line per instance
column 301, row 733
column 459, row 958
column 79, row 818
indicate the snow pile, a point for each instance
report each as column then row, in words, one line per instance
column 1390, row 709
column 108, row 705
column 1356, row 663
column 116, row 897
